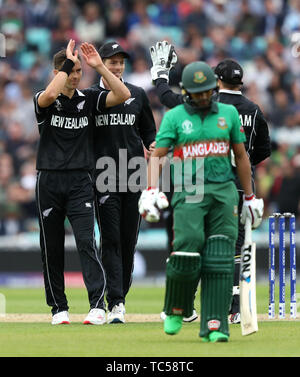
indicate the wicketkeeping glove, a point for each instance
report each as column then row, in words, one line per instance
column 254, row 209
column 163, row 58
column 151, row 201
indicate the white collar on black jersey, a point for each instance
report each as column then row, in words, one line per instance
column 102, row 84
column 80, row 93
column 230, row 91
column 76, row 93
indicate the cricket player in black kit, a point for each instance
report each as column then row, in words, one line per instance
column 258, row 146
column 64, row 185
column 121, row 133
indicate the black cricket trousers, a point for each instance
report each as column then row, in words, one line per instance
column 119, row 221
column 61, row 194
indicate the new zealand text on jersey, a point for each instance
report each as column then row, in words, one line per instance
column 69, row 123
column 115, row 120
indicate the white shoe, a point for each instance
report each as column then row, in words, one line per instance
column 117, row 314
column 61, row 318
column 234, row 318
column 95, row 317
column 192, row 318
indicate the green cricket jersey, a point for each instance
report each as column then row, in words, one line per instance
column 207, row 140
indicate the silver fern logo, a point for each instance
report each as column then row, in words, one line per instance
column 47, row 212
column 80, row 106
column 128, row 102
column 103, row 199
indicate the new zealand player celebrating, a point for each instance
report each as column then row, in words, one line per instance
column 229, row 74
column 64, row 186
column 120, row 134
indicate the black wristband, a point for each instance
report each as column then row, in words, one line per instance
column 67, row 66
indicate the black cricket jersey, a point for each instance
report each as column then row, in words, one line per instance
column 165, row 94
column 66, row 130
column 122, row 130
column 258, row 144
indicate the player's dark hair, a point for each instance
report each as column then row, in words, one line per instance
column 59, row 58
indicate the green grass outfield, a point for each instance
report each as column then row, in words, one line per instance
column 26, row 330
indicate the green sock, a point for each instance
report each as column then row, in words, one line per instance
column 173, row 324
column 217, row 336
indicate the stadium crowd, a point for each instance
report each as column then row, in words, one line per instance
column 257, row 33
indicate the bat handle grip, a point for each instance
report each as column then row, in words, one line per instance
column 248, row 231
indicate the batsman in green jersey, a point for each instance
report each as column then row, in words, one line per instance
column 205, row 202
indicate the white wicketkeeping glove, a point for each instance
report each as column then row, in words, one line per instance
column 151, row 201
column 254, row 209
column 163, row 58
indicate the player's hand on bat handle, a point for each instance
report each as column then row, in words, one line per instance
column 253, row 209
column 151, row 201
column 248, row 231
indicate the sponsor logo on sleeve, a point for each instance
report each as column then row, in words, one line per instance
column 213, row 325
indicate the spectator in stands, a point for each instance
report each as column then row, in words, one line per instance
column 260, row 73
column 9, row 209
column 292, row 19
column 141, row 75
column 166, row 13
column 271, row 22
column 281, row 109
column 138, row 11
column 144, row 33
column 219, row 13
column 63, row 33
column 64, row 9
column 116, row 24
column 90, row 27
column 38, row 14
column 196, row 17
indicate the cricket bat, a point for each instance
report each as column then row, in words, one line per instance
column 248, row 283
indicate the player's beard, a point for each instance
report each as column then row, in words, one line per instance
column 201, row 106
column 74, row 84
